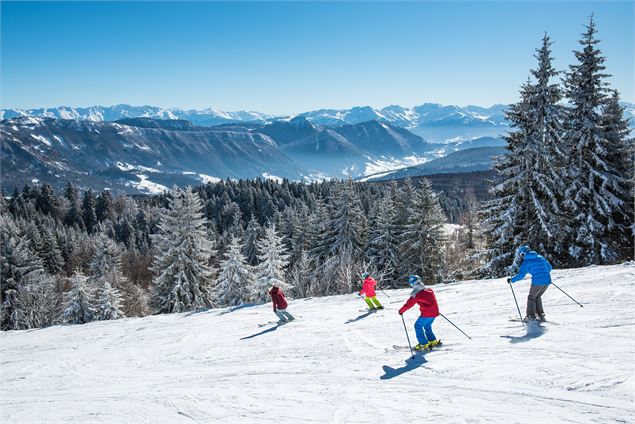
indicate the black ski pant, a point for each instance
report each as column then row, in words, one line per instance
column 534, row 300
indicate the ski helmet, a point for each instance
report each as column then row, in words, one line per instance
column 364, row 275
column 522, row 250
column 414, row 279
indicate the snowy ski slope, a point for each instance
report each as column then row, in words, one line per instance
column 332, row 365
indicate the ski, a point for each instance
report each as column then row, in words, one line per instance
column 400, row 347
column 264, row 324
column 516, row 319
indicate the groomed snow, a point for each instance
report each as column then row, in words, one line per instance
column 331, row 366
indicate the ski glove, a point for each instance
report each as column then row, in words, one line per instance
column 509, row 281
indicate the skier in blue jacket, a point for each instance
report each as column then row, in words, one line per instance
column 540, row 270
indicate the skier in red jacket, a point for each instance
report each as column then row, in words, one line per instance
column 280, row 305
column 368, row 288
column 429, row 311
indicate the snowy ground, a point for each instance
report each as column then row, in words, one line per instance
column 331, row 366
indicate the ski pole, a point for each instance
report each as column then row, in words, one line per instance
column 581, row 305
column 407, row 336
column 384, row 292
column 509, row 281
column 446, row 318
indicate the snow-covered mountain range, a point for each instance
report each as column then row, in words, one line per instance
column 337, row 365
column 205, row 117
column 115, row 146
column 435, row 122
column 149, row 154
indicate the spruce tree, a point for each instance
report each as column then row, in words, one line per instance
column 526, row 206
column 273, row 259
column 621, row 154
column 108, row 302
column 78, row 306
column 252, row 233
column 25, row 288
column 88, row 211
column 236, row 279
column 347, row 227
column 595, row 189
column 181, row 271
column 423, row 237
column 383, row 245
column 107, row 280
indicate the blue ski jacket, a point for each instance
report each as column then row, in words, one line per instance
column 537, row 266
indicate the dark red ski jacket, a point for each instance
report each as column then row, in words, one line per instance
column 278, row 299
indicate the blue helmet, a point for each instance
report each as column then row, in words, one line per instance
column 365, row 274
column 414, row 279
column 522, row 249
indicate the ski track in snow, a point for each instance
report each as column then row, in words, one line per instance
column 328, row 367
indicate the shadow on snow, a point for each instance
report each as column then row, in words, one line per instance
column 236, row 308
column 412, row 363
column 362, row 316
column 268, row 330
column 533, row 332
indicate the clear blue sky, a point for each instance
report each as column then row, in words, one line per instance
column 287, row 57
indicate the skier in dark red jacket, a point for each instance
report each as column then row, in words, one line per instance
column 280, row 305
column 429, row 311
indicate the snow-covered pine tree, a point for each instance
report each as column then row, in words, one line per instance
column 273, row 259
column 25, row 288
column 107, row 280
column 108, row 302
column 300, row 275
column 383, row 245
column 622, row 154
column 347, row 227
column 526, row 205
column 78, row 307
column 236, row 279
column 252, row 233
column 423, row 238
column 88, row 211
column 595, row 189
column 182, row 275
column 318, row 237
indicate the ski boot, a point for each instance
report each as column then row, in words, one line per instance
column 434, row 343
column 529, row 319
column 541, row 318
column 380, row 307
column 426, row 346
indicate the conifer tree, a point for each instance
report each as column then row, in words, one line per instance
column 347, row 230
column 24, row 285
column 236, row 279
column 526, row 208
column 88, row 211
column 621, row 154
column 182, row 274
column 78, row 306
column 273, row 259
column 107, row 280
column 383, row 245
column 595, row 189
column 108, row 303
column 423, row 237
column 252, row 233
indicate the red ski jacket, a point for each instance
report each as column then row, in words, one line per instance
column 278, row 299
column 368, row 287
column 427, row 303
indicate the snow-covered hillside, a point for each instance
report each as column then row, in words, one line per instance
column 336, row 365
